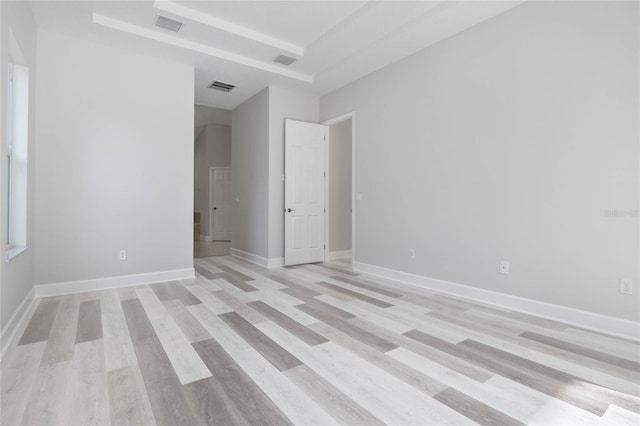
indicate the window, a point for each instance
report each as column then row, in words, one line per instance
column 16, row 160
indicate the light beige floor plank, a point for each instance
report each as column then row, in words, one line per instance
column 210, row 300
column 128, row 400
column 367, row 314
column 60, row 346
column 518, row 401
column 18, row 375
column 403, row 372
column 402, row 403
column 239, row 307
column 184, row 359
column 118, row 347
column 88, row 395
column 191, row 328
column 242, row 296
column 335, row 402
column 619, row 416
column 48, row 403
column 292, row 401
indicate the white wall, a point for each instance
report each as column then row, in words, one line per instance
column 340, row 186
column 509, row 141
column 250, row 168
column 205, row 115
column 115, row 162
column 283, row 104
column 16, row 276
column 212, row 149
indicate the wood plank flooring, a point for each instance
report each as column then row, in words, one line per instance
column 307, row 345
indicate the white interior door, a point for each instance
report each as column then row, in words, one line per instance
column 220, row 202
column 304, row 200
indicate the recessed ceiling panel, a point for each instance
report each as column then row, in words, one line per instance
column 298, row 22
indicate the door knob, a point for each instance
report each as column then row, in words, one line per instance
column 215, row 208
column 290, row 210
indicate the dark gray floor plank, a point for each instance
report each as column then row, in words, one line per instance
column 498, row 329
column 431, row 304
column 140, row 327
column 516, row 369
column 240, row 307
column 213, row 406
column 394, row 367
column 204, row 272
column 190, row 326
column 89, row 321
column 235, row 273
column 593, row 397
column 256, row 407
column 269, row 349
column 234, row 281
column 128, row 400
column 474, row 409
column 168, row 403
column 451, row 362
column 173, row 290
column 323, row 308
column 581, row 350
column 358, row 282
column 300, row 331
column 355, row 294
column 283, row 279
column 161, row 382
column 302, row 294
column 61, row 342
column 41, row 322
column 464, row 305
column 345, row 271
column 330, row 398
column 362, row 335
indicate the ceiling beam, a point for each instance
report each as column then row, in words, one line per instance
column 229, row 27
column 197, row 47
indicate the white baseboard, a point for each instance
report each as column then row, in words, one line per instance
column 258, row 260
column 275, row 262
column 339, row 254
column 16, row 320
column 598, row 322
column 71, row 287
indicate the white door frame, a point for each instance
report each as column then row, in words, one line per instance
column 211, row 170
column 350, row 115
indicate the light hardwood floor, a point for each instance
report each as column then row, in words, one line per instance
column 308, row 345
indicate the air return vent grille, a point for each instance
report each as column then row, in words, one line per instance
column 284, row 60
column 219, row 85
column 168, row 24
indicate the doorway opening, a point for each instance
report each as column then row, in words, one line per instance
column 212, row 182
column 340, row 205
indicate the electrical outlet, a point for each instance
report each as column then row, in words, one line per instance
column 504, row 267
column 123, row 255
column 626, row 286
column 412, row 253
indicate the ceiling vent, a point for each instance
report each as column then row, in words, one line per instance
column 223, row 87
column 284, row 60
column 168, row 24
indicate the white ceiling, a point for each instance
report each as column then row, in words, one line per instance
column 334, row 42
